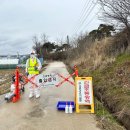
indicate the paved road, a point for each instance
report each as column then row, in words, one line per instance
column 41, row 114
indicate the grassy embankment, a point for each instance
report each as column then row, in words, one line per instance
column 111, row 80
column 112, row 89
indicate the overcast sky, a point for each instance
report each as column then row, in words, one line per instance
column 20, row 20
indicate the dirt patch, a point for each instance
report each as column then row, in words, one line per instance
column 5, row 79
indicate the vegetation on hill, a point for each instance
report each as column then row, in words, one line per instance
column 108, row 62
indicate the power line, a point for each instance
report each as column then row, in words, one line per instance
column 83, row 13
column 91, row 20
column 84, row 9
column 84, row 20
column 90, row 9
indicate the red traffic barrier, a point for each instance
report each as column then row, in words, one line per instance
column 67, row 79
column 17, row 90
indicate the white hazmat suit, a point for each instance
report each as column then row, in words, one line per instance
column 34, row 90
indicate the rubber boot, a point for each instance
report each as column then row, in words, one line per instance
column 37, row 92
column 31, row 94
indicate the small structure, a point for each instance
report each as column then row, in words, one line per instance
column 8, row 63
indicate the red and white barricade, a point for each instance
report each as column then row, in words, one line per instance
column 42, row 81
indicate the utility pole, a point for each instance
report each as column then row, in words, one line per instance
column 68, row 41
column 18, row 55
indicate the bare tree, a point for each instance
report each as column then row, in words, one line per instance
column 44, row 38
column 35, row 39
column 117, row 11
column 37, row 44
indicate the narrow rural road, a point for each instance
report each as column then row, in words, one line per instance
column 41, row 114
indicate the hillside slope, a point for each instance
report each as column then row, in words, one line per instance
column 109, row 64
column 112, row 87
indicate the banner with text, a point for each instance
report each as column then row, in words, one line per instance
column 46, row 80
column 84, row 91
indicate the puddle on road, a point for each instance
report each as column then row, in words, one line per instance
column 37, row 112
column 42, row 106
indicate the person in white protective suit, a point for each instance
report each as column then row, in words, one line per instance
column 33, row 67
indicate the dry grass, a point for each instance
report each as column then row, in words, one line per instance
column 96, row 55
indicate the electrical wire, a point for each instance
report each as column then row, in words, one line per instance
column 91, row 20
column 83, row 13
column 91, row 8
column 84, row 10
